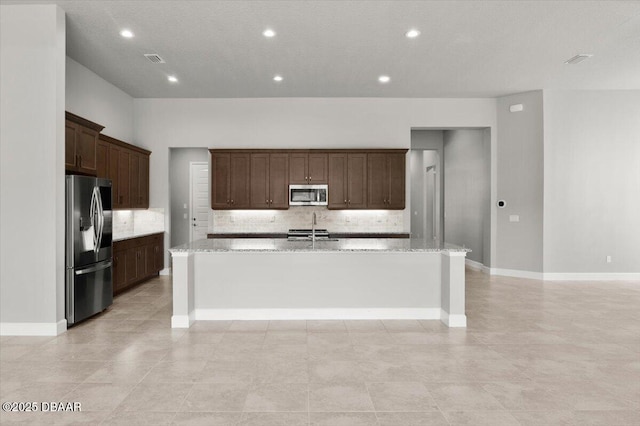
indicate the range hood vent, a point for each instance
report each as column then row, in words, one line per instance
column 154, row 57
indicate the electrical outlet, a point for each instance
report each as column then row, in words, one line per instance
column 184, row 206
column 608, row 259
column 514, row 218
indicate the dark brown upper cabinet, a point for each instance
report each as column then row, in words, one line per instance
column 128, row 169
column 269, row 181
column 386, row 181
column 230, row 180
column 347, row 181
column 260, row 178
column 81, row 145
column 308, row 168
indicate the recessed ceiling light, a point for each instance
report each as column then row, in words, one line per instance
column 384, row 79
column 578, row 58
column 277, row 78
column 126, row 33
column 172, row 79
column 269, row 33
column 413, row 33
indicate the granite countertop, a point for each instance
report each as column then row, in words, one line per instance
column 130, row 235
column 331, row 235
column 334, row 245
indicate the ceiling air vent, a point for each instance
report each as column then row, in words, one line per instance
column 154, row 57
column 578, row 58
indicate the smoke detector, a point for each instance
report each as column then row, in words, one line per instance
column 154, row 57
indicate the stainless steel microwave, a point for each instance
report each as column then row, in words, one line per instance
column 308, row 195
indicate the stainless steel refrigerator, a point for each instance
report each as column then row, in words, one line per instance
column 89, row 284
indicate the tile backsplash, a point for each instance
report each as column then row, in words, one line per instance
column 136, row 222
column 300, row 217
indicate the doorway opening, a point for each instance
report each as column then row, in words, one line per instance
column 181, row 193
column 451, row 189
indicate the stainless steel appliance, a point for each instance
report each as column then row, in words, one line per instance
column 307, row 234
column 88, row 281
column 308, row 195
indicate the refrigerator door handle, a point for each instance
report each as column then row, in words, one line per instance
column 95, row 268
column 100, row 212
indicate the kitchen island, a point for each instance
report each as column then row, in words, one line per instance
column 277, row 279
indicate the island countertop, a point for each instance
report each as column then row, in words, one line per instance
column 212, row 245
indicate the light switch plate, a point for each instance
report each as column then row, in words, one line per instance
column 514, row 218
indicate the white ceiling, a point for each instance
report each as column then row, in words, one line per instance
column 339, row 48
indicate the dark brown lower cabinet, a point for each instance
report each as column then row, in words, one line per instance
column 136, row 260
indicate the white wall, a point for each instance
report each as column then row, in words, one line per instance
column 32, row 83
column 292, row 123
column 592, row 181
column 95, row 99
column 466, row 190
column 520, row 183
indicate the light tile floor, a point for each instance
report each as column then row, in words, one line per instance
column 535, row 353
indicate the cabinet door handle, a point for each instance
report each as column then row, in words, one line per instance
column 266, row 201
column 270, row 201
column 232, row 202
column 345, row 201
column 227, row 201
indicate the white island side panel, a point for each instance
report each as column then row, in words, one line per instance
column 317, row 280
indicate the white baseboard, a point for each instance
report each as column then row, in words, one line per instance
column 592, row 276
column 165, row 271
column 318, row 314
column 473, row 264
column 182, row 321
column 567, row 276
column 516, row 273
column 457, row 320
column 33, row 328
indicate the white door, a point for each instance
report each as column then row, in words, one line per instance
column 199, row 198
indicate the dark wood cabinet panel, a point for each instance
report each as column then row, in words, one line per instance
column 119, row 269
column 347, row 181
column 259, row 181
column 396, row 176
column 337, row 181
column 81, row 140
column 386, row 180
column 86, row 144
column 128, row 169
column 134, row 179
column 298, row 166
column 307, row 169
column 377, row 186
column 269, row 181
column 279, row 181
column 136, row 260
column 144, row 181
column 70, row 156
column 102, row 159
column 131, row 266
column 239, row 183
column 357, row 181
column 124, row 178
column 318, row 169
column 230, row 181
column 220, row 180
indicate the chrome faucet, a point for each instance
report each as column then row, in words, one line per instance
column 313, row 230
